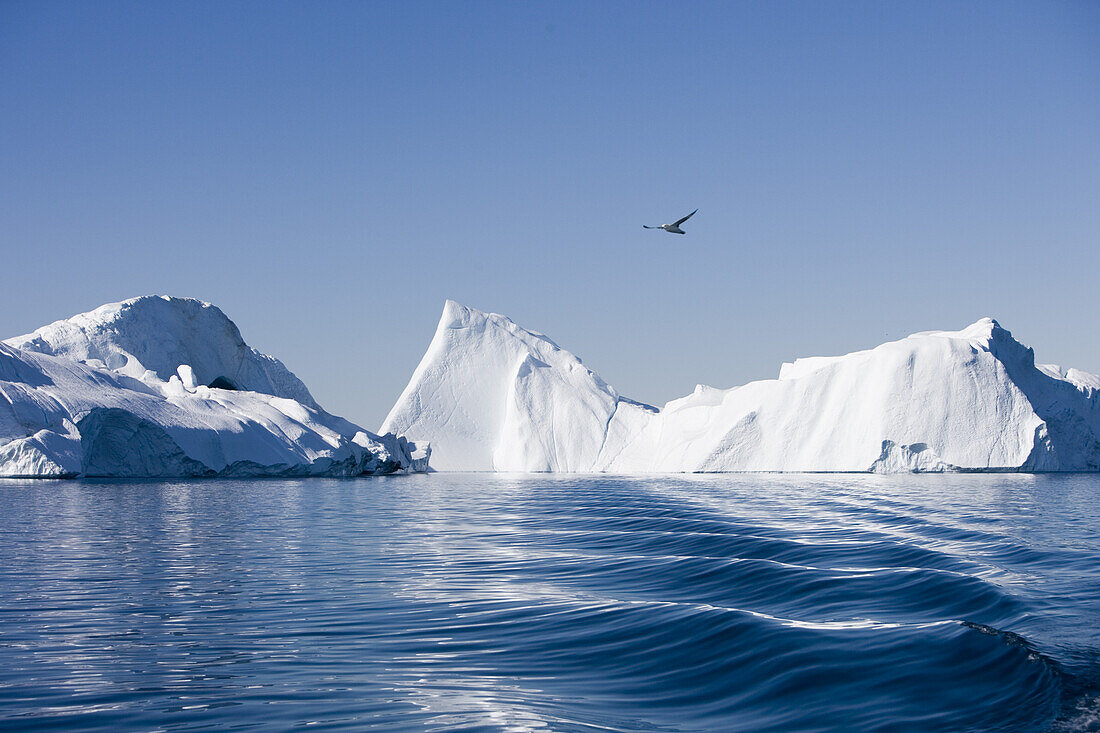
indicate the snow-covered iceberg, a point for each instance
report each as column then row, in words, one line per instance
column 166, row 387
column 158, row 334
column 490, row 395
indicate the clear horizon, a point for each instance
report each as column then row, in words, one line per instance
column 329, row 176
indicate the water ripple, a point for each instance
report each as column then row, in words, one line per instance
column 478, row 602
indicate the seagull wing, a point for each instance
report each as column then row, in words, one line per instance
column 647, row 226
column 681, row 221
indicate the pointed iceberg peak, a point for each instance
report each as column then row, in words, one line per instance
column 458, row 316
column 982, row 329
column 987, row 329
column 455, row 315
column 991, row 336
column 986, row 322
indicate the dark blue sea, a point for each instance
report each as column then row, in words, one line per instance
column 497, row 603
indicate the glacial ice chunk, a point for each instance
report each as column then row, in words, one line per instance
column 490, row 395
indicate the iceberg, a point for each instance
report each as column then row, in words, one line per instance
column 492, row 396
column 166, row 387
column 161, row 333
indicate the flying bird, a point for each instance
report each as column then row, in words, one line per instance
column 674, row 227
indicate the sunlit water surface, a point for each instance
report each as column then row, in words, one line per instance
column 449, row 602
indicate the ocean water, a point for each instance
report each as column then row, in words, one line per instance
column 503, row 603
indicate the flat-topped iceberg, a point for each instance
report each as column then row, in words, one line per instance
column 490, row 395
column 166, row 387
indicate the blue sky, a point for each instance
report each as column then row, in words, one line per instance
column 329, row 173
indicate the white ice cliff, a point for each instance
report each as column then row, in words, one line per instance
column 490, row 395
column 123, row 391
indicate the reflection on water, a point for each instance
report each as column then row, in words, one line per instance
column 441, row 602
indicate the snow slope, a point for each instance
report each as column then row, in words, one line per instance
column 158, row 333
column 504, row 398
column 68, row 414
column 490, row 395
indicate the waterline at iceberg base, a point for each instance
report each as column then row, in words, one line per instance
column 492, row 396
column 166, row 387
